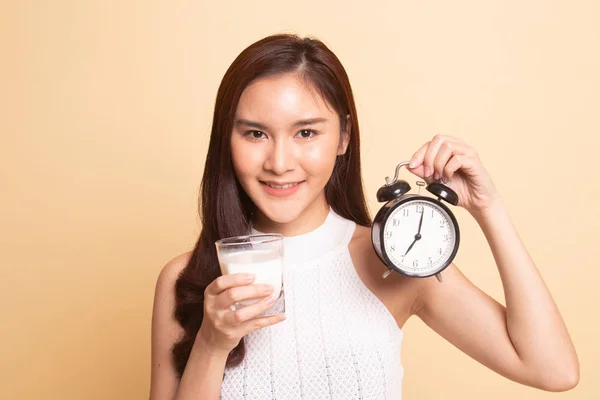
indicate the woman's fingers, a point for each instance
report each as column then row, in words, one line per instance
column 224, row 327
column 454, row 164
column 465, row 162
column 433, row 151
column 446, row 152
column 235, row 294
column 249, row 312
column 430, row 160
column 258, row 323
column 224, row 282
column 416, row 162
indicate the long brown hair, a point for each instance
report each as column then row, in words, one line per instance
column 224, row 206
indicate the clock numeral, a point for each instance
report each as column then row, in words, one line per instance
column 432, row 212
column 395, row 222
column 388, row 234
column 405, row 212
column 419, row 208
column 393, row 248
column 429, row 262
column 416, row 263
column 442, row 224
column 440, row 251
column 446, row 237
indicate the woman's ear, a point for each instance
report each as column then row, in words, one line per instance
column 346, row 130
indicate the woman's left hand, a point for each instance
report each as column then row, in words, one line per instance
column 451, row 159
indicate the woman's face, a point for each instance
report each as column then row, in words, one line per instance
column 284, row 143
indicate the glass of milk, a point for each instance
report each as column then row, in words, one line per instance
column 261, row 255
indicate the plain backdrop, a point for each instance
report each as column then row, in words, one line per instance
column 105, row 113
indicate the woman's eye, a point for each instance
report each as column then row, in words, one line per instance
column 255, row 134
column 307, row 133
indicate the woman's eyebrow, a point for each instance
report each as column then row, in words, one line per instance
column 250, row 124
column 309, row 121
column 257, row 125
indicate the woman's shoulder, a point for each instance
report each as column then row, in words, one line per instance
column 397, row 292
column 164, row 297
column 165, row 329
column 362, row 252
column 361, row 241
column 172, row 269
column 361, row 233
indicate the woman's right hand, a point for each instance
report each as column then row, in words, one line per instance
column 222, row 329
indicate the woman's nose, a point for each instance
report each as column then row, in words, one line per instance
column 282, row 157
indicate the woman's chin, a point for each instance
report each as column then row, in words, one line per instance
column 281, row 214
column 283, row 217
column 283, row 211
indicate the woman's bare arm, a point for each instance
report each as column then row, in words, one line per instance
column 203, row 374
column 525, row 341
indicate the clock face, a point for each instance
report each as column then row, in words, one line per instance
column 419, row 252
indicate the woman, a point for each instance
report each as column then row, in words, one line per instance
column 284, row 157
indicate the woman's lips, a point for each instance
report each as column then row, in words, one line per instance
column 281, row 190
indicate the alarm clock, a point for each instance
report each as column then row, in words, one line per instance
column 416, row 236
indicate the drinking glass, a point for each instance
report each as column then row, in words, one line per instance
column 259, row 254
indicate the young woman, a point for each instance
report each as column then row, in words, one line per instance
column 284, row 157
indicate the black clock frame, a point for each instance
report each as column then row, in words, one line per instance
column 381, row 219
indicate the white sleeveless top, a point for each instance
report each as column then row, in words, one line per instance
column 339, row 340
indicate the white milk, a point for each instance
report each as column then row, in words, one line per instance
column 266, row 265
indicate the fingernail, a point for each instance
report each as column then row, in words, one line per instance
column 249, row 277
column 428, row 171
column 268, row 288
column 270, row 300
column 412, row 163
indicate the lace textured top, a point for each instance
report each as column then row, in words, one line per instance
column 339, row 340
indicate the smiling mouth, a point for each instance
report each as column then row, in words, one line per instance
column 281, row 186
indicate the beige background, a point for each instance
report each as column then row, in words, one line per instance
column 105, row 110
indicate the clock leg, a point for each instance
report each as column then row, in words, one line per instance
column 439, row 277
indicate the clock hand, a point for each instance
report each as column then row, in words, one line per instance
column 418, row 235
column 411, row 245
column 421, row 222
